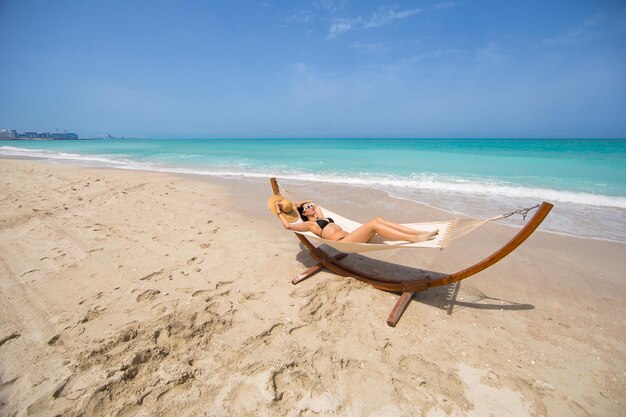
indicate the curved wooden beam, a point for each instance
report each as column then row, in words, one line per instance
column 528, row 229
column 423, row 283
column 274, row 186
column 426, row 283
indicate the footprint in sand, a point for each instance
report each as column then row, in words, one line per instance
column 253, row 296
column 222, row 283
column 7, row 390
column 155, row 274
column 95, row 297
column 71, row 331
column 164, row 307
column 200, row 292
column 29, row 272
column 288, row 383
column 5, row 339
column 92, row 314
column 147, row 295
column 195, row 259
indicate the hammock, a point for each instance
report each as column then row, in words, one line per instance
column 379, row 243
column 448, row 231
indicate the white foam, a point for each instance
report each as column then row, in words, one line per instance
column 44, row 154
column 425, row 182
column 468, row 186
column 473, row 196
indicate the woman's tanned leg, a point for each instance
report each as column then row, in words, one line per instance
column 361, row 235
column 368, row 230
column 401, row 228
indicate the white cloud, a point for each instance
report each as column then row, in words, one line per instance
column 384, row 16
column 299, row 67
column 380, row 18
column 341, row 26
column 330, row 5
column 374, row 48
column 435, row 54
column 303, row 16
column 489, row 56
column 445, row 5
column 587, row 30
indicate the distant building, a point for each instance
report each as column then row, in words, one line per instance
column 60, row 136
column 13, row 134
column 8, row 134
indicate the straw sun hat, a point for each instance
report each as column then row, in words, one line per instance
column 288, row 208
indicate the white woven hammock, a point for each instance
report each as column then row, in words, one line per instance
column 448, row 231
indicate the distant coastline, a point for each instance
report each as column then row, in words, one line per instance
column 41, row 139
column 12, row 134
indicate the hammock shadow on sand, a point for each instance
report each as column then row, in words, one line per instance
column 455, row 296
column 460, row 295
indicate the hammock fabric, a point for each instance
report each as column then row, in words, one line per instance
column 377, row 243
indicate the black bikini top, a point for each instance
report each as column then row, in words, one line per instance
column 323, row 223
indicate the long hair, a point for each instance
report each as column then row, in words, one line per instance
column 301, row 213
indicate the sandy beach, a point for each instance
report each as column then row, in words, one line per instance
column 127, row 293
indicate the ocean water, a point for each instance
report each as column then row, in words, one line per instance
column 584, row 178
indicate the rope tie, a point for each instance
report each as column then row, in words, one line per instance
column 524, row 212
column 463, row 227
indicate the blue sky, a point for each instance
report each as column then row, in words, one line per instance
column 164, row 68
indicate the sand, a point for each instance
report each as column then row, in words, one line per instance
column 146, row 294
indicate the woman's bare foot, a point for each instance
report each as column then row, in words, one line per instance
column 423, row 236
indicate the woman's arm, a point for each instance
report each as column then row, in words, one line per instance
column 296, row 227
column 318, row 212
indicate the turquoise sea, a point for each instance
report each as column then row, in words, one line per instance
column 584, row 178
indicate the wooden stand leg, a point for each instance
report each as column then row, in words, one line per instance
column 315, row 269
column 399, row 308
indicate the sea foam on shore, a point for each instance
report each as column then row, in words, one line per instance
column 589, row 199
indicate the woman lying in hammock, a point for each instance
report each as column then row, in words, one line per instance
column 314, row 221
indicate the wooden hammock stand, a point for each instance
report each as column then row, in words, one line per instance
column 410, row 286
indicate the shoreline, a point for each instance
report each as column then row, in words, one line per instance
column 129, row 292
column 218, row 176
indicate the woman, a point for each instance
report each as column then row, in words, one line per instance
column 314, row 221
